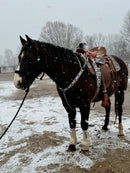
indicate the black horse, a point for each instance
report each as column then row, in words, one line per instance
column 75, row 84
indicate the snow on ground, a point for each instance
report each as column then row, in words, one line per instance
column 41, row 115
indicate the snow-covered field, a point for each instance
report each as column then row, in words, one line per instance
column 23, row 151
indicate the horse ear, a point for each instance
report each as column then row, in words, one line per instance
column 23, row 41
column 29, row 40
column 32, row 43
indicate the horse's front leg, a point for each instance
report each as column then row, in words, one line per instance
column 84, row 110
column 72, row 123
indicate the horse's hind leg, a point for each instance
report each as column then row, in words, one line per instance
column 107, row 109
column 119, row 99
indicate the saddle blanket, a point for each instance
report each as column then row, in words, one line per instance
column 102, row 60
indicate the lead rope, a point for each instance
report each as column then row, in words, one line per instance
column 27, row 90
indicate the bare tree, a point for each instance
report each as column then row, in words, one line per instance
column 95, row 40
column 9, row 59
column 126, row 27
column 115, row 44
column 89, row 39
column 1, row 60
column 61, row 34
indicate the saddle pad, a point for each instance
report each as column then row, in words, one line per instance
column 116, row 64
column 100, row 60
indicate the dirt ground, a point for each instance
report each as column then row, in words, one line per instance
column 116, row 161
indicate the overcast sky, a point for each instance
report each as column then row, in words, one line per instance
column 20, row 17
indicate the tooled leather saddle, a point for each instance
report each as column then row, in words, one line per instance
column 99, row 55
column 108, row 67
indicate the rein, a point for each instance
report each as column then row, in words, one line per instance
column 27, row 90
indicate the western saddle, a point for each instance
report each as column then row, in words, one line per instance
column 105, row 63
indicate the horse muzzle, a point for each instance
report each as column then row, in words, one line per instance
column 20, row 80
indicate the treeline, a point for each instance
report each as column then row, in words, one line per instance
column 69, row 36
column 8, row 58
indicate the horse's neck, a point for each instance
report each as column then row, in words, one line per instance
column 62, row 70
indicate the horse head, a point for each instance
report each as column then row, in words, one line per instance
column 29, row 66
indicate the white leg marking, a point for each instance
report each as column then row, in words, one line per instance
column 85, row 143
column 120, row 130
column 73, row 139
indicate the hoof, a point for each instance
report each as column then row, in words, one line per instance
column 104, row 128
column 86, row 153
column 85, row 148
column 121, row 135
column 72, row 147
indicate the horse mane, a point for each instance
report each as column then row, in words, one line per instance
column 57, row 50
column 61, row 61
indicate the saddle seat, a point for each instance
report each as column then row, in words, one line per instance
column 100, row 51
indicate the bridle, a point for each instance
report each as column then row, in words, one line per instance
column 21, row 73
column 27, row 74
